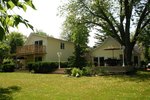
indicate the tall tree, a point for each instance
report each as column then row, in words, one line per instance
column 117, row 18
column 4, row 51
column 77, row 33
column 15, row 39
column 100, row 38
column 8, row 19
column 145, row 40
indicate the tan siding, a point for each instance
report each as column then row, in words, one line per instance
column 100, row 52
column 54, row 46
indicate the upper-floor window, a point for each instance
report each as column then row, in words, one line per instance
column 62, row 45
column 39, row 42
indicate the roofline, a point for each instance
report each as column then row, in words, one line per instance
column 31, row 34
column 104, row 43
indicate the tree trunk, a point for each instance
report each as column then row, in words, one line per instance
column 128, row 54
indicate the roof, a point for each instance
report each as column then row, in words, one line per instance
column 135, row 50
column 105, row 41
column 47, row 37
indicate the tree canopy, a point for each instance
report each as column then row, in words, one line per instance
column 8, row 19
column 15, row 39
column 4, row 51
column 40, row 32
column 145, row 40
column 77, row 33
column 116, row 18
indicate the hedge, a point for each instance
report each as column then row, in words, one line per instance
column 8, row 68
column 44, row 67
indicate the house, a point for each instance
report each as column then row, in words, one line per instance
column 110, row 52
column 44, row 48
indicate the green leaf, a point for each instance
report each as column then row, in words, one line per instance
column 31, row 26
column 2, row 33
column 17, row 20
column 24, row 8
column 11, row 5
column 11, row 22
column 29, row 3
column 21, row 5
column 2, row 10
column 7, row 19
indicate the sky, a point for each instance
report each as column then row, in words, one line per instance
column 45, row 18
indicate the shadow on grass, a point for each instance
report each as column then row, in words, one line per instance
column 139, row 76
column 6, row 93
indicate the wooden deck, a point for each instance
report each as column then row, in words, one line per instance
column 31, row 49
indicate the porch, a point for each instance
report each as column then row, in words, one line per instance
column 30, row 50
column 29, row 53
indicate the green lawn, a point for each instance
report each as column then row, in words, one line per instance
column 27, row 86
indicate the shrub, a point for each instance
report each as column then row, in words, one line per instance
column 7, row 65
column 8, row 68
column 76, row 72
column 1, row 68
column 68, row 71
column 42, row 67
column 8, row 61
column 29, row 66
column 87, row 71
column 99, row 71
column 64, row 64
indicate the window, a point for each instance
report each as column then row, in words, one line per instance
column 38, row 59
column 39, row 42
column 62, row 46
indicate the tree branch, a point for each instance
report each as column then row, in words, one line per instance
column 145, row 24
column 142, row 17
column 90, row 11
column 122, row 17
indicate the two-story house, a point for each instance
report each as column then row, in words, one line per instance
column 44, row 48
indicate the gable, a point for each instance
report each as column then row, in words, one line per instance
column 34, row 37
column 103, row 49
column 108, row 43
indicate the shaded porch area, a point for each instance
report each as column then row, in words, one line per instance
column 29, row 53
column 102, row 61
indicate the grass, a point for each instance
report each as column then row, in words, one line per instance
column 27, row 86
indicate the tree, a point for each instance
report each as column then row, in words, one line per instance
column 145, row 40
column 77, row 33
column 117, row 18
column 15, row 39
column 100, row 38
column 12, row 20
column 4, row 51
column 40, row 32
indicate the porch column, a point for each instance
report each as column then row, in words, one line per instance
column 123, row 60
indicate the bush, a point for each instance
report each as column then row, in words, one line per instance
column 87, row 71
column 1, row 68
column 64, row 64
column 29, row 66
column 42, row 67
column 76, row 72
column 8, row 68
column 68, row 71
column 99, row 71
column 8, row 61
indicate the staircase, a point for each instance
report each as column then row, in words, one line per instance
column 59, row 71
